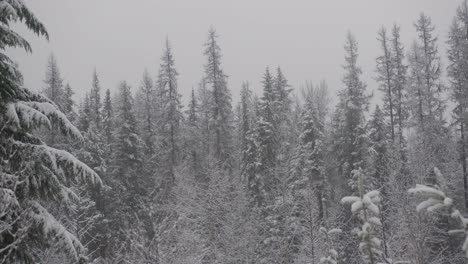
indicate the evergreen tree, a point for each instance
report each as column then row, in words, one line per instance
column 55, row 91
column 386, row 72
column 378, row 137
column 129, row 186
column 32, row 173
column 69, row 104
column 194, row 143
column 126, row 159
column 95, row 103
column 380, row 144
column 204, row 112
column 399, row 84
column 171, row 115
column 146, row 110
column 281, row 92
column 245, row 122
column 84, row 120
column 348, row 136
column 355, row 102
column 107, row 118
column 53, row 81
column 458, row 74
column 427, row 100
column 265, row 143
column 221, row 112
column 312, row 151
column 425, row 73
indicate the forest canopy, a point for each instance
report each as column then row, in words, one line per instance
column 136, row 176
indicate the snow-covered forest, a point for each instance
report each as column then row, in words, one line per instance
column 132, row 175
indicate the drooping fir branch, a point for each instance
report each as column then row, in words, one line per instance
column 436, row 200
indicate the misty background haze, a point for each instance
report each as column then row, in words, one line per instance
column 305, row 38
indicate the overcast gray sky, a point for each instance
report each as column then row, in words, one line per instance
column 304, row 37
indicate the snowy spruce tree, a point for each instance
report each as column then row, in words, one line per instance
column 171, row 115
column 146, row 111
column 95, row 102
column 348, row 133
column 53, row 88
column 386, row 72
column 266, row 143
column 33, row 174
column 400, row 89
column 458, row 74
column 108, row 119
column 220, row 101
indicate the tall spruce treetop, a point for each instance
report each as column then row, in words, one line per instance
column 53, row 88
column 147, row 95
column 108, row 117
column 355, row 102
column 265, row 141
column 311, row 148
column 268, row 99
column 282, row 91
column 221, row 99
column 399, row 82
column 95, row 101
column 426, row 74
column 127, row 143
column 282, row 108
column 170, row 99
column 457, row 69
column 385, row 71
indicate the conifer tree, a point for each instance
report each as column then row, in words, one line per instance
column 399, row 83
column 312, row 151
column 69, row 104
column 53, row 81
column 32, row 173
column 386, row 72
column 171, row 116
column 108, row 118
column 425, row 73
column 146, row 110
column 128, row 183
column 266, row 143
column 380, row 144
column 194, row 143
column 204, row 112
column 126, row 160
column 427, row 101
column 245, row 120
column 355, row 102
column 221, row 112
column 84, row 120
column 281, row 94
column 348, row 135
column 458, row 74
column 95, row 103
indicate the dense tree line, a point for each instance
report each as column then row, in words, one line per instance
column 279, row 177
